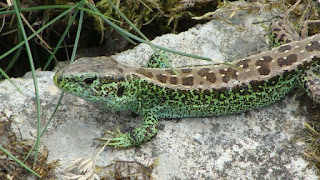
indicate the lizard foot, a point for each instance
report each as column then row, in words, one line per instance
column 135, row 137
column 118, row 139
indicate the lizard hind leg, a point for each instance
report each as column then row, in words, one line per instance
column 283, row 32
column 311, row 82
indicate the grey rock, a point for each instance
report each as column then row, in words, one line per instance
column 258, row 144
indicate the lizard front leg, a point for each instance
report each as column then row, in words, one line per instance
column 157, row 60
column 137, row 136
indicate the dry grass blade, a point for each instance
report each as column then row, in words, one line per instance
column 82, row 168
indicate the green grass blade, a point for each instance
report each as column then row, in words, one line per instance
column 61, row 40
column 46, row 126
column 37, row 8
column 165, row 60
column 128, row 21
column 76, row 43
column 38, row 31
column 145, row 5
column 19, row 162
column 154, row 47
column 110, row 23
column 61, row 95
column 13, row 61
column 8, row 78
column 119, row 29
column 127, row 38
column 16, row 8
column 97, row 12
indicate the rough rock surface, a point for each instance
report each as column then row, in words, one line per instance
column 259, row 144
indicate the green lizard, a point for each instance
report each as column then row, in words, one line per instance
column 200, row 91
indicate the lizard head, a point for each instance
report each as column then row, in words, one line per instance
column 98, row 80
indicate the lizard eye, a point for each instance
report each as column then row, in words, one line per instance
column 120, row 91
column 89, row 81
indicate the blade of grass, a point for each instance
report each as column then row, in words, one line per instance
column 47, row 124
column 97, row 11
column 61, row 95
column 72, row 59
column 146, row 5
column 111, row 24
column 43, row 43
column 19, row 162
column 16, row 8
column 8, row 78
column 38, row 31
column 128, row 21
column 31, row 28
column 165, row 60
column 127, row 38
column 119, row 29
column 3, row 18
column 142, row 35
column 61, row 40
column 37, row 8
column 94, row 9
column 12, row 61
column 76, row 42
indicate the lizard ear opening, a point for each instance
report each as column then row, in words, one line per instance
column 120, row 91
column 89, row 81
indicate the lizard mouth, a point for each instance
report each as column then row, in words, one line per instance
column 57, row 79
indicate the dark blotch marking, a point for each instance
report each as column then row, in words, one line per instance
column 120, row 91
column 265, row 65
column 282, row 37
column 244, row 63
column 145, row 72
column 273, row 81
column 257, row 85
column 276, row 29
column 287, row 62
column 306, row 64
column 209, row 75
column 174, row 80
column 203, row 72
column 162, row 78
column 284, row 48
column 288, row 41
column 315, row 46
column 186, row 70
column 229, row 73
column 187, row 81
column 89, row 81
